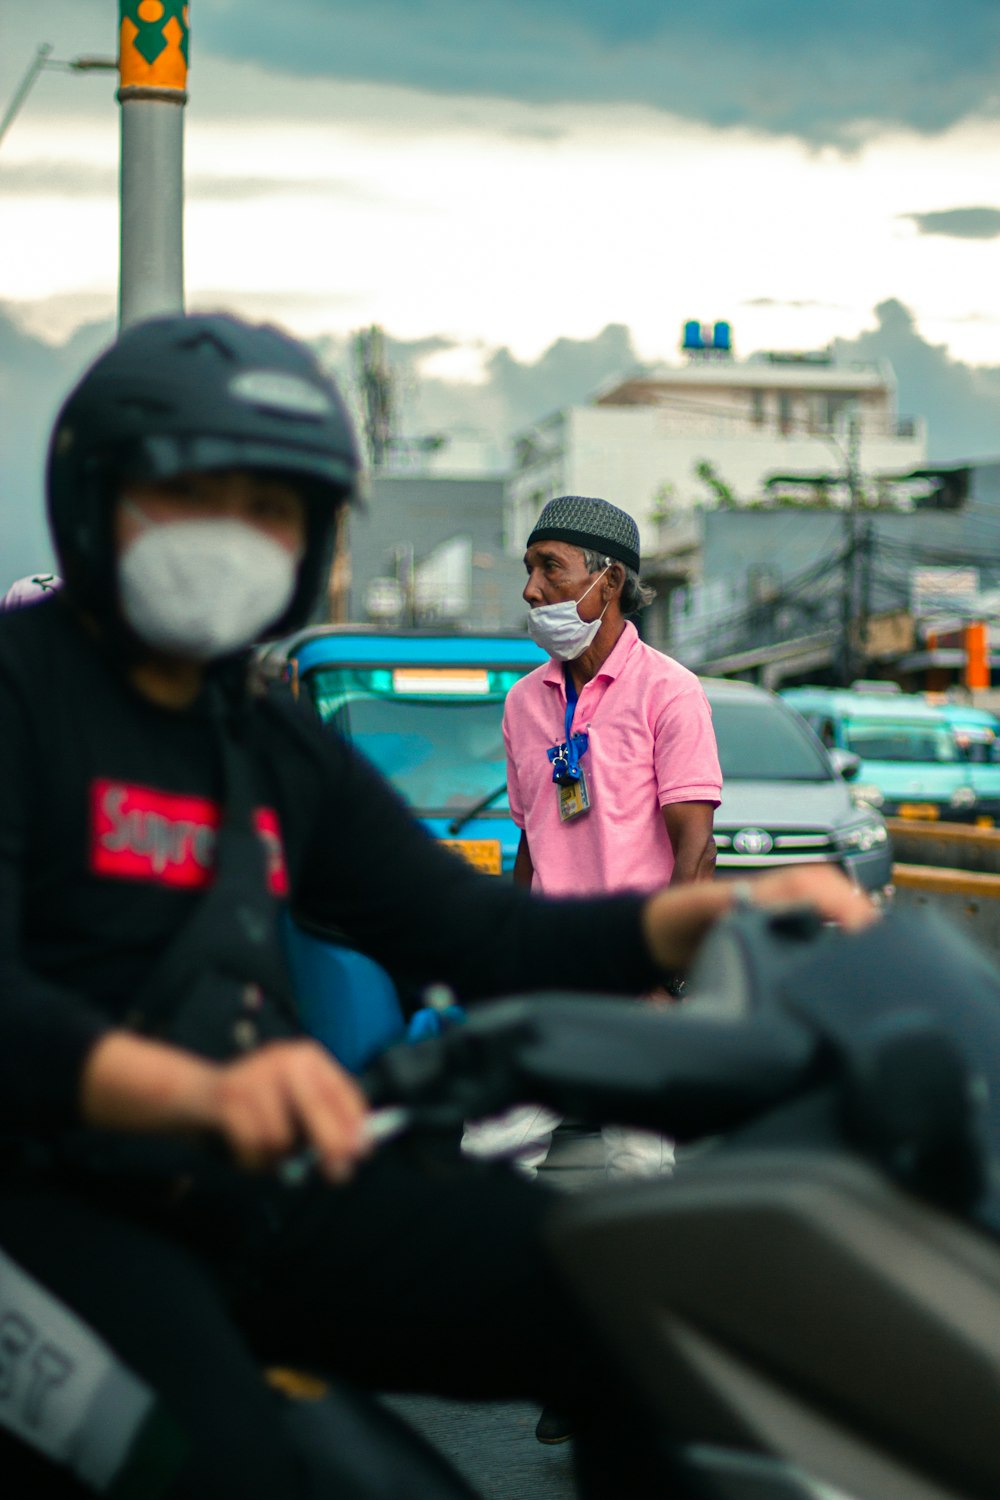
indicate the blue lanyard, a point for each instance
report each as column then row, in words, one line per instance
column 572, row 696
column 566, row 758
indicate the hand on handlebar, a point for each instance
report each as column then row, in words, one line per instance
column 675, row 920
column 822, row 887
column 285, row 1095
column 275, row 1101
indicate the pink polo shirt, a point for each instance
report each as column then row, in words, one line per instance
column 651, row 743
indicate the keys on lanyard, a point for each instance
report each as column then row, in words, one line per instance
column 570, row 779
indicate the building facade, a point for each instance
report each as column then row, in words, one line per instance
column 717, row 430
column 426, row 550
column 773, row 592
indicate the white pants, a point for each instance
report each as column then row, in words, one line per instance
column 523, row 1136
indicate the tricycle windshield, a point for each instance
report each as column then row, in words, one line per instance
column 434, row 732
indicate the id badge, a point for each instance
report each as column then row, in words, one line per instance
column 574, row 798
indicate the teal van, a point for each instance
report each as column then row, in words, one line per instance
column 911, row 764
column 977, row 733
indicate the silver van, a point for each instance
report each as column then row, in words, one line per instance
column 785, row 799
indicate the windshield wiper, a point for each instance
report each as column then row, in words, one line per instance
column 457, row 824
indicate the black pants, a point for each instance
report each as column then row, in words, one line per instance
column 404, row 1280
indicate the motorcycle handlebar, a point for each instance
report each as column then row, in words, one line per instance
column 610, row 1059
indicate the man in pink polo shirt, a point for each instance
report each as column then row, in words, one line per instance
column 637, row 813
column 612, row 773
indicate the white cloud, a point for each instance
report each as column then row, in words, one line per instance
column 462, row 364
column 333, row 203
column 515, row 238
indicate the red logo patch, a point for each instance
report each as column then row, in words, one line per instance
column 138, row 833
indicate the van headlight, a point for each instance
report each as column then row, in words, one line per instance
column 866, row 794
column 962, row 796
column 871, row 834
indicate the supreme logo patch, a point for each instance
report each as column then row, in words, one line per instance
column 139, row 833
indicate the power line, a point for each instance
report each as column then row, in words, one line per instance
column 869, row 563
column 940, row 557
column 797, row 589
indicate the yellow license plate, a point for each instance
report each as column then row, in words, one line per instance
column 483, row 853
column 925, row 810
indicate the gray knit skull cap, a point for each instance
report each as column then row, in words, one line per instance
column 593, row 524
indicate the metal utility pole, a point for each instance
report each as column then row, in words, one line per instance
column 153, row 65
column 850, row 605
column 865, row 599
column 377, row 393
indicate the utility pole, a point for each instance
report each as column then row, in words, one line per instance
column 853, row 614
column 378, row 393
column 153, row 66
column 865, row 599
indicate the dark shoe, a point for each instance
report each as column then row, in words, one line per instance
column 554, row 1426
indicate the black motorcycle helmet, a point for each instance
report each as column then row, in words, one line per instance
column 194, row 394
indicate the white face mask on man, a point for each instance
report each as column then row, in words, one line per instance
column 559, row 629
column 201, row 589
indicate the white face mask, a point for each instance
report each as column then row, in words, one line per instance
column 202, row 589
column 558, row 628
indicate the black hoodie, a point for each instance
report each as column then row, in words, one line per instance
column 108, row 805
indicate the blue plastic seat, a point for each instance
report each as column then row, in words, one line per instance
column 347, row 1001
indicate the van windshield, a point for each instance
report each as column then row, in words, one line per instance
column 910, row 740
column 435, row 733
column 761, row 741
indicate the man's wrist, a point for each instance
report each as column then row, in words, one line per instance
column 741, row 895
column 132, row 1082
column 676, row 919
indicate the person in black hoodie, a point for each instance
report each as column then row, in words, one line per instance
column 156, row 820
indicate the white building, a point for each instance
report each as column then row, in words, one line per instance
column 771, row 424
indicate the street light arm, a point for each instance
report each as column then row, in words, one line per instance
column 43, row 60
column 93, row 64
column 24, row 88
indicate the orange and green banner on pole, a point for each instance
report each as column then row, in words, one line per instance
column 153, row 44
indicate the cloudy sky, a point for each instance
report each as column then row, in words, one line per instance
column 530, row 197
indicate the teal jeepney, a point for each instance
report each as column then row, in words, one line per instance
column 427, row 708
column 911, row 764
